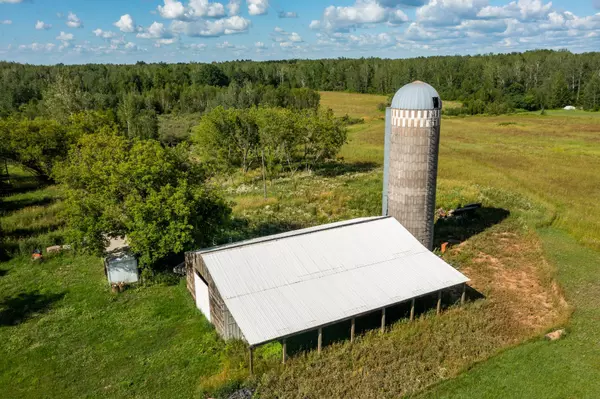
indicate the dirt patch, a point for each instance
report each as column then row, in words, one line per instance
column 520, row 280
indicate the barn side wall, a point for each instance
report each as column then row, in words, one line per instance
column 220, row 315
column 189, row 274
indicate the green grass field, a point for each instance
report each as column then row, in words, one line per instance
column 64, row 334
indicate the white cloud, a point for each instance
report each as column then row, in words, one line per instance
column 234, row 7
column 219, row 27
column 125, row 24
column 294, row 37
column 65, row 37
column 224, row 45
column 417, row 32
column 533, row 9
column 6, row 22
column 449, row 12
column 362, row 13
column 279, row 35
column 104, row 34
column 397, row 17
column 362, row 42
column 257, row 7
column 230, row 46
column 131, row 46
column 38, row 47
column 73, row 21
column 171, row 10
column 203, row 8
column 41, row 25
column 403, row 3
column 260, row 45
column 174, row 9
column 164, row 42
column 196, row 46
column 287, row 14
column 11, row 1
column 155, row 31
column 524, row 10
column 484, row 26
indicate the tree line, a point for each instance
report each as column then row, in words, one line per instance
column 484, row 83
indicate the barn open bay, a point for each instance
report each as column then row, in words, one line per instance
column 541, row 169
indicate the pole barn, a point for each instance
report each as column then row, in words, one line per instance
column 278, row 286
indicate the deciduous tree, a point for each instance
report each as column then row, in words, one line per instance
column 137, row 188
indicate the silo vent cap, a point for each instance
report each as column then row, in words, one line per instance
column 417, row 95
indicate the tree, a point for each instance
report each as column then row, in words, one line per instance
column 211, row 75
column 228, row 136
column 279, row 132
column 591, row 94
column 560, row 93
column 136, row 188
column 36, row 144
column 139, row 122
column 241, row 137
column 63, row 98
column 322, row 136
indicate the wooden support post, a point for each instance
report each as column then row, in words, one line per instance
column 284, row 351
column 412, row 309
column 251, row 360
column 463, row 297
column 320, row 340
column 352, row 329
column 439, row 302
column 383, row 320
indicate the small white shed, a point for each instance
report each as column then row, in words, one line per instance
column 120, row 266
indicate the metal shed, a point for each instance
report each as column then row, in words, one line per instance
column 281, row 285
column 120, row 265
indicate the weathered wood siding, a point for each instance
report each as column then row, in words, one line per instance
column 220, row 316
column 189, row 274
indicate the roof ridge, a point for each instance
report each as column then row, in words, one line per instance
column 300, row 232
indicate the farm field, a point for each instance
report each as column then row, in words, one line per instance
column 65, row 335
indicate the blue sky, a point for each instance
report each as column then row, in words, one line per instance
column 119, row 31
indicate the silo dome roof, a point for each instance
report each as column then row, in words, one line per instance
column 417, row 95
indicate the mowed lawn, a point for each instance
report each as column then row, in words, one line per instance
column 64, row 334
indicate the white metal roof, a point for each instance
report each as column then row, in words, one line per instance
column 284, row 284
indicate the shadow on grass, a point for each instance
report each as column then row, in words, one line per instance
column 3, row 272
column 459, row 228
column 7, row 207
column 334, row 169
column 23, row 184
column 241, row 229
column 32, row 232
column 19, row 308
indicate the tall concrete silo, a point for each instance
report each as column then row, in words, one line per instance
column 412, row 137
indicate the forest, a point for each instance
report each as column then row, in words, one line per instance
column 484, row 83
